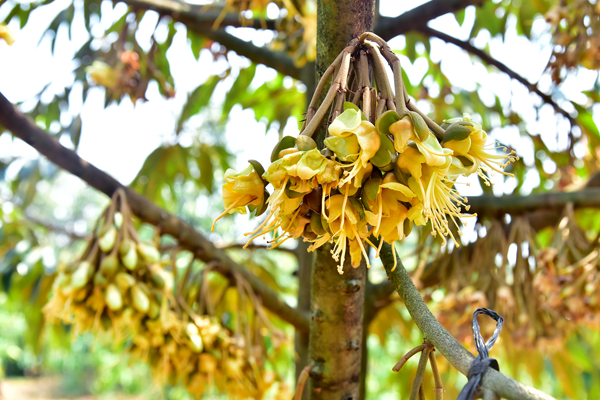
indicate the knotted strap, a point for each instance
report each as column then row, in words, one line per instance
column 480, row 364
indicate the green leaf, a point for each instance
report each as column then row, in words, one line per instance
column 585, row 119
column 460, row 16
column 305, row 143
column 352, row 106
column 257, row 167
column 205, row 166
column 198, row 99
column 316, row 224
column 238, row 89
column 197, row 43
column 259, row 170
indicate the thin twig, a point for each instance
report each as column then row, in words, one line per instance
column 421, row 392
column 383, row 83
column 407, row 357
column 439, row 387
column 312, row 107
column 399, row 84
column 373, row 97
column 253, row 246
column 486, row 58
column 302, row 382
column 338, row 84
column 418, row 382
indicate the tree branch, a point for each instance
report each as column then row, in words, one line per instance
column 486, row 58
column 488, row 205
column 23, row 128
column 388, row 28
column 55, row 228
column 190, row 16
column 436, row 334
column 253, row 246
column 542, row 210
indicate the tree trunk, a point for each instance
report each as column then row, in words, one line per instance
column 337, row 301
column 305, row 260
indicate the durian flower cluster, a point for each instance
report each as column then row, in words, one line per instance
column 122, row 290
column 369, row 181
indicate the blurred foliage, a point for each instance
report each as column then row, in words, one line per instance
column 551, row 337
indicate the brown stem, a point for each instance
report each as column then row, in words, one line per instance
column 388, row 28
column 374, row 114
column 400, row 99
column 367, row 103
column 302, row 382
column 185, row 278
column 418, row 382
column 338, row 84
column 407, row 357
column 186, row 14
column 337, row 301
column 305, row 260
column 383, row 83
column 319, row 90
column 253, row 246
column 439, row 387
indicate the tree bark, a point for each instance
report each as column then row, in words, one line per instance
column 305, row 260
column 337, row 301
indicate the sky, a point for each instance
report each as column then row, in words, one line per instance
column 119, row 138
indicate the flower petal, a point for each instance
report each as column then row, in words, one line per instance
column 345, row 124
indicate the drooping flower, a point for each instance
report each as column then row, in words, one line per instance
column 435, row 190
column 347, row 126
column 385, row 211
column 346, row 222
column 240, row 190
column 468, row 141
column 412, row 128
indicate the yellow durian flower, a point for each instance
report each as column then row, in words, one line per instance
column 240, row 190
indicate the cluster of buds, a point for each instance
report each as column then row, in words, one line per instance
column 385, row 165
column 121, row 289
